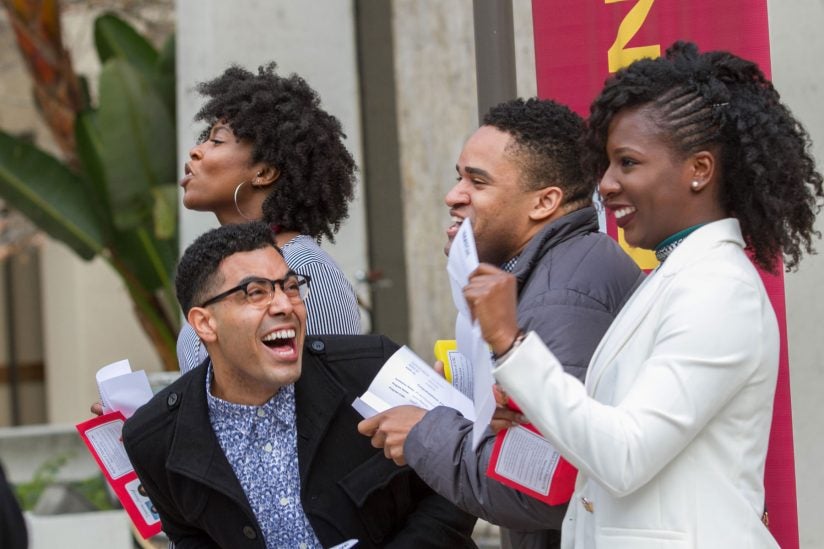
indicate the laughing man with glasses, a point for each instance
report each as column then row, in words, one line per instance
column 258, row 447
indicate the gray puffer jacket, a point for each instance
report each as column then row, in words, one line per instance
column 572, row 281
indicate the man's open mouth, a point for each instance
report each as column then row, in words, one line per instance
column 452, row 230
column 281, row 341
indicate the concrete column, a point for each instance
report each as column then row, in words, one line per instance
column 797, row 47
column 437, row 111
column 88, row 322
column 494, row 53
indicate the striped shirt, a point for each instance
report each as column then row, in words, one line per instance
column 331, row 307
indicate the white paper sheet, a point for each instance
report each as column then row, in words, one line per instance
column 528, row 459
column 484, row 397
column 463, row 260
column 107, row 440
column 407, row 379
column 121, row 389
column 461, row 370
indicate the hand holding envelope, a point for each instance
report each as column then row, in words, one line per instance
column 463, row 260
column 122, row 392
column 121, row 389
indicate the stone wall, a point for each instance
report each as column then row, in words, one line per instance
column 437, row 111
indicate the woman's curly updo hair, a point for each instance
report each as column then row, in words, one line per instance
column 282, row 118
column 720, row 102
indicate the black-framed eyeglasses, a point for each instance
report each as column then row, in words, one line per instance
column 260, row 292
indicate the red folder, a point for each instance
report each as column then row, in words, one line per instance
column 524, row 460
column 103, row 438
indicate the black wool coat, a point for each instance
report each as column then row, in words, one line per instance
column 349, row 490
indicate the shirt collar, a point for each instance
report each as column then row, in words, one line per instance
column 509, row 266
column 668, row 245
column 280, row 406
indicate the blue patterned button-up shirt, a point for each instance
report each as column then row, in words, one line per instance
column 260, row 443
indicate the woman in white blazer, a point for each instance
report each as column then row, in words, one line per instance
column 698, row 159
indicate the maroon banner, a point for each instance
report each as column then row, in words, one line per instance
column 578, row 43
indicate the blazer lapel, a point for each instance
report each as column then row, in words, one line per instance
column 644, row 298
column 317, row 399
column 623, row 327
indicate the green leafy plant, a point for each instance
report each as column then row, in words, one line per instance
column 29, row 492
column 114, row 195
column 96, row 491
column 93, row 489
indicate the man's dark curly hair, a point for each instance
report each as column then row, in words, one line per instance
column 282, row 118
column 546, row 143
column 720, row 102
column 198, row 270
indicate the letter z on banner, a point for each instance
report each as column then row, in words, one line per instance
column 578, row 43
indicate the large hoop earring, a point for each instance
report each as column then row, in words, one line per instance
column 237, row 206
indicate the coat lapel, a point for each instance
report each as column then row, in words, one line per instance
column 623, row 327
column 576, row 223
column 317, row 399
column 195, row 451
column 645, row 297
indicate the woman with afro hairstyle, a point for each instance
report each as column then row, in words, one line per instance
column 699, row 161
column 270, row 151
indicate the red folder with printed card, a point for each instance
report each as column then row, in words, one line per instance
column 104, row 440
column 524, row 460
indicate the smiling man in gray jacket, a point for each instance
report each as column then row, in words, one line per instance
column 521, row 184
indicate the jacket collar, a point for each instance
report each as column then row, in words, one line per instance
column 194, row 450
column 641, row 302
column 703, row 238
column 582, row 221
column 318, row 397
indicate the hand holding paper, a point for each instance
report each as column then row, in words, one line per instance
column 399, row 396
column 121, row 393
column 504, row 418
column 389, row 429
column 524, row 460
column 463, row 260
column 407, row 379
column 121, row 389
column 492, row 297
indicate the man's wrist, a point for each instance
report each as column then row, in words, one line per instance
column 516, row 341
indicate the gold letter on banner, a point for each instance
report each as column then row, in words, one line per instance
column 619, row 55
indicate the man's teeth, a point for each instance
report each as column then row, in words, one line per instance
column 457, row 220
column 280, row 334
column 623, row 211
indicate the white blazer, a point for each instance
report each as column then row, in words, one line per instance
column 670, row 431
